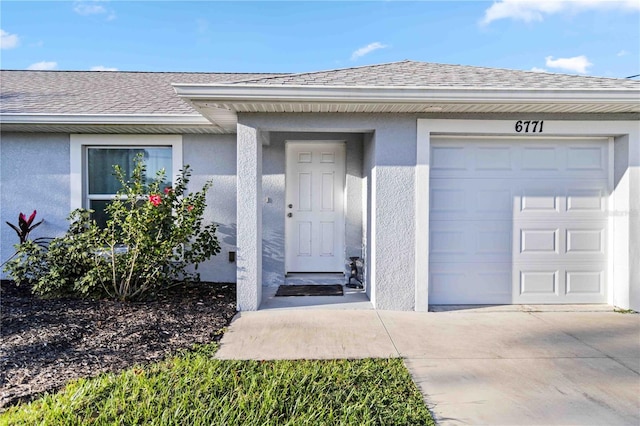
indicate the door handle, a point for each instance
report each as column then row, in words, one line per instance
column 289, row 214
column 290, row 206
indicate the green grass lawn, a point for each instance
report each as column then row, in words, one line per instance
column 196, row 389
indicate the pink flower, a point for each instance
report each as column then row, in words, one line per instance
column 155, row 199
column 189, row 208
column 167, row 190
column 23, row 218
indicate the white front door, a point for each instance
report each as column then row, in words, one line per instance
column 314, row 210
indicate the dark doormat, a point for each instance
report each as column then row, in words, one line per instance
column 309, row 290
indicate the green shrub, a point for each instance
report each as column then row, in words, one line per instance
column 151, row 240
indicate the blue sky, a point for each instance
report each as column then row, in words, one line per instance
column 588, row 37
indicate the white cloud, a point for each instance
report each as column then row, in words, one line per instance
column 536, row 69
column 577, row 64
column 82, row 8
column 622, row 53
column 93, row 7
column 103, row 68
column 367, row 49
column 8, row 41
column 535, row 10
column 43, row 66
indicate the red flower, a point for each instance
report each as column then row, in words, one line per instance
column 23, row 219
column 168, row 190
column 155, row 199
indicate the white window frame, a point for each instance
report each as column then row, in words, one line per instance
column 78, row 156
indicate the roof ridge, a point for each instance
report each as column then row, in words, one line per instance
column 149, row 72
column 262, row 76
column 482, row 67
column 296, row 74
column 524, row 71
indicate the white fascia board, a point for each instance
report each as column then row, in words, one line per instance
column 234, row 93
column 154, row 119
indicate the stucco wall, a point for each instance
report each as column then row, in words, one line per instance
column 273, row 186
column 35, row 170
column 213, row 157
column 393, row 214
column 34, row 174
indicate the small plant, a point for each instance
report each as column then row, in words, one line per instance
column 25, row 226
column 26, row 247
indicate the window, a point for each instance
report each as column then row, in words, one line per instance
column 102, row 184
column 93, row 184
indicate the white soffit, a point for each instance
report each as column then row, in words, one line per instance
column 108, row 123
column 221, row 103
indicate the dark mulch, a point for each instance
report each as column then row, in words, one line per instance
column 46, row 343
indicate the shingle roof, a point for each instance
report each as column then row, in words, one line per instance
column 91, row 92
column 109, row 92
column 425, row 74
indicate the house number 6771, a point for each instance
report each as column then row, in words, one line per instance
column 529, row 126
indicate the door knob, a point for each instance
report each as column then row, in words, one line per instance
column 289, row 214
column 290, row 206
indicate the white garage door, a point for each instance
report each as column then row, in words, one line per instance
column 518, row 220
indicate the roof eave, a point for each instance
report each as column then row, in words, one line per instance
column 266, row 93
column 101, row 119
column 220, row 103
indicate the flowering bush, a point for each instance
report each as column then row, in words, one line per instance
column 152, row 240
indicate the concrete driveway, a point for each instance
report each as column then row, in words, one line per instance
column 474, row 366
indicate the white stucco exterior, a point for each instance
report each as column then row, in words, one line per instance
column 34, row 175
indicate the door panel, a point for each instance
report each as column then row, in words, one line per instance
column 314, row 222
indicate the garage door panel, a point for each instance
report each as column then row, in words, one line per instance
column 585, row 239
column 466, row 199
column 493, row 158
column 580, row 282
column 538, row 159
column 559, row 283
column 540, row 240
column 588, row 197
column 566, row 241
column 470, row 241
column 590, row 158
column 526, row 218
column 456, row 284
column 448, row 159
column 538, row 283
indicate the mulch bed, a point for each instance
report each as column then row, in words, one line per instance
column 47, row 342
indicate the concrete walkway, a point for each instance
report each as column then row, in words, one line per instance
column 494, row 366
